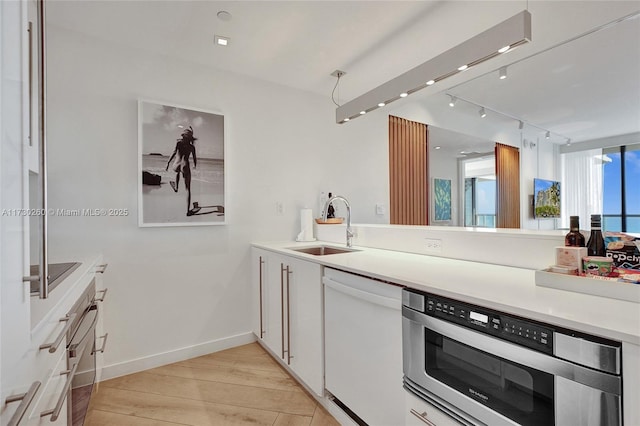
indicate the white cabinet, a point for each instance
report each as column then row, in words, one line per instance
column 419, row 412
column 288, row 303
column 52, row 395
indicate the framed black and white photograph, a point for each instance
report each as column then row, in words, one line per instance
column 181, row 165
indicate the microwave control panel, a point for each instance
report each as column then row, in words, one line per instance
column 520, row 331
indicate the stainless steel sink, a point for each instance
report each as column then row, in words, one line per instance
column 57, row 273
column 322, row 250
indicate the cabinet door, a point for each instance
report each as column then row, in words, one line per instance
column 420, row 413
column 52, row 394
column 304, row 328
column 272, row 311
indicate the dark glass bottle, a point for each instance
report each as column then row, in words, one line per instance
column 331, row 212
column 595, row 246
column 574, row 238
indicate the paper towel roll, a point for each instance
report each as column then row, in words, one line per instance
column 306, row 225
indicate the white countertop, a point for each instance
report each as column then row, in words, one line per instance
column 508, row 289
column 62, row 297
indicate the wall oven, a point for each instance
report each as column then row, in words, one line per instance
column 485, row 367
column 81, row 353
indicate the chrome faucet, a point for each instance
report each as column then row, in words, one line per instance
column 346, row 203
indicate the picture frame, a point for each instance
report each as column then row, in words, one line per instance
column 181, row 165
column 442, row 200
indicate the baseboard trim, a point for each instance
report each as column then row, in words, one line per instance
column 158, row 360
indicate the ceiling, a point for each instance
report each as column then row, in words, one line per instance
column 299, row 43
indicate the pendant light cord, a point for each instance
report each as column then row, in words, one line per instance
column 334, row 90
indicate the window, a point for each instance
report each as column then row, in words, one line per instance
column 480, row 192
column 621, row 210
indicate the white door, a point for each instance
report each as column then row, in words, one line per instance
column 16, row 375
column 272, row 309
column 304, row 329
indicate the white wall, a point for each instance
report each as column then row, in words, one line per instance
column 172, row 288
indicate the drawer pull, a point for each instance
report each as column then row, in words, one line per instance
column 104, row 344
column 422, row 416
column 26, row 399
column 104, row 294
column 55, row 412
column 53, row 346
column 101, row 268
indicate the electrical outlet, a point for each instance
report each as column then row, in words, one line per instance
column 433, row 245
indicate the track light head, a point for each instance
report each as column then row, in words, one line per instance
column 520, row 124
column 482, row 112
column 452, row 101
column 502, row 73
column 547, row 135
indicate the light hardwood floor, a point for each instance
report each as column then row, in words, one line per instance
column 238, row 386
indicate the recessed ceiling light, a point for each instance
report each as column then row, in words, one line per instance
column 363, row 112
column 404, row 94
column 463, row 67
column 430, row 82
column 221, row 40
column 436, row 147
column 504, row 49
column 347, row 119
column 381, row 104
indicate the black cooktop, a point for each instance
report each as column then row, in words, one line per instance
column 57, row 273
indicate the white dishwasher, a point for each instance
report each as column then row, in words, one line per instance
column 363, row 346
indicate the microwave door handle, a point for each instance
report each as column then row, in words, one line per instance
column 518, row 354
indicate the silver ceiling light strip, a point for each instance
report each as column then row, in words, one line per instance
column 521, row 123
column 499, row 39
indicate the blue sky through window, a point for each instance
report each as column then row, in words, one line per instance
column 613, row 192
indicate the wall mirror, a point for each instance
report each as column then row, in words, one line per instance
column 580, row 91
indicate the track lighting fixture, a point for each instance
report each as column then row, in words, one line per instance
column 482, row 111
column 502, row 73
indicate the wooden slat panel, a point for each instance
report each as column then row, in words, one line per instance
column 408, row 172
column 507, row 186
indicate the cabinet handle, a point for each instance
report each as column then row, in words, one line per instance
column 104, row 293
column 261, row 325
column 101, row 268
column 53, row 346
column 289, row 356
column 26, row 399
column 422, row 416
column 30, row 31
column 55, row 412
column 104, row 345
column 282, row 307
